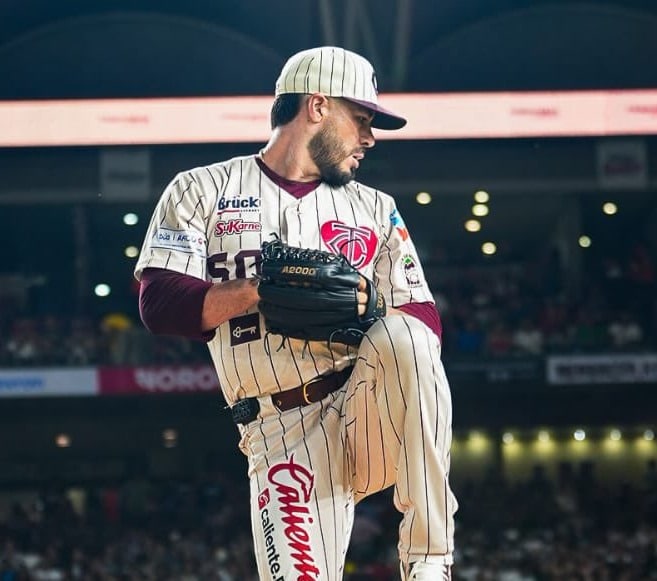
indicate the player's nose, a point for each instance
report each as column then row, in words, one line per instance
column 367, row 138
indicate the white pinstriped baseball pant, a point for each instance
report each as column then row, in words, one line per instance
column 389, row 425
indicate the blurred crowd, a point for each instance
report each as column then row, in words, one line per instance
column 534, row 308
column 573, row 528
column 498, row 316
column 137, row 530
column 113, row 339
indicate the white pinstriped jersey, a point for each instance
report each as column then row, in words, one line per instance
column 390, row 424
column 210, row 223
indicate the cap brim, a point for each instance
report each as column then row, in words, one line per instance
column 383, row 119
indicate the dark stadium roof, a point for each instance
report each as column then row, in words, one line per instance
column 143, row 48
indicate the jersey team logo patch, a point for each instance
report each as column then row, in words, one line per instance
column 357, row 244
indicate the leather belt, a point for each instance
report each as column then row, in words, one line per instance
column 246, row 410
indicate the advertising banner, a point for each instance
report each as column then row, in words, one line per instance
column 511, row 370
column 608, row 368
column 38, row 382
column 157, row 379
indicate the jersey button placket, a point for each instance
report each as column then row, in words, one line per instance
column 294, row 219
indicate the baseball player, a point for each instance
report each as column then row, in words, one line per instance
column 322, row 424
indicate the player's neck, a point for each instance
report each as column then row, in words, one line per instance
column 289, row 158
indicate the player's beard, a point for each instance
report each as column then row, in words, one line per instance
column 328, row 152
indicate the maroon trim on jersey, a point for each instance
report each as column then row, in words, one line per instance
column 296, row 189
column 171, row 303
column 427, row 313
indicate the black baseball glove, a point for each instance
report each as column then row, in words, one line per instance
column 313, row 295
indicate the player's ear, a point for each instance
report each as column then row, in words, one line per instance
column 317, row 107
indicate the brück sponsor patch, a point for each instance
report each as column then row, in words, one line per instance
column 239, row 204
column 187, row 241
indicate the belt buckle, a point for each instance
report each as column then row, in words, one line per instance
column 304, row 387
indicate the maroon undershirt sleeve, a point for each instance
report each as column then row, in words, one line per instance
column 171, row 303
column 427, row 313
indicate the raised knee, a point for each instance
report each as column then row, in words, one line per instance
column 402, row 334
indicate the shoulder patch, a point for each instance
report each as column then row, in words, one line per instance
column 411, row 271
column 187, row 241
column 398, row 222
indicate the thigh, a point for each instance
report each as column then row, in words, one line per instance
column 398, row 419
column 301, row 509
column 398, row 398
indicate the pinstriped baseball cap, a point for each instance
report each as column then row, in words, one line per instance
column 336, row 72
